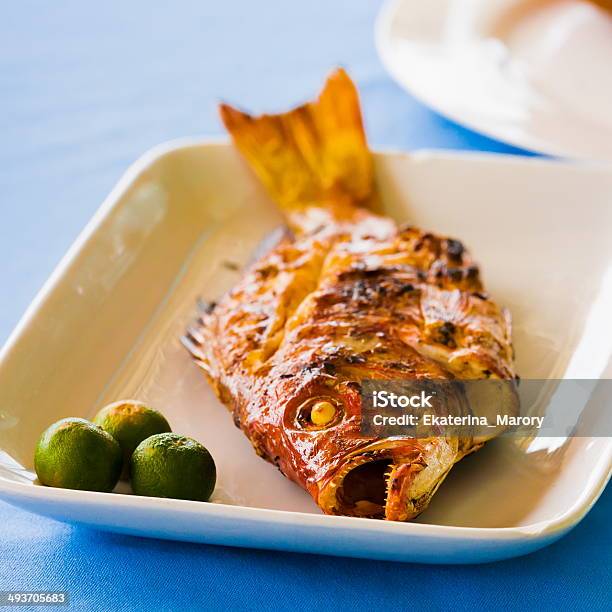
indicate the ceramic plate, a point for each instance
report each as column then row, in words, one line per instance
column 534, row 73
column 107, row 326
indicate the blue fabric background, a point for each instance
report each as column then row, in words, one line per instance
column 86, row 88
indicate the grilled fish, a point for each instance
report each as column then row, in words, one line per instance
column 345, row 296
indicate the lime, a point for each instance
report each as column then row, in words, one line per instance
column 76, row 454
column 130, row 422
column 169, row 465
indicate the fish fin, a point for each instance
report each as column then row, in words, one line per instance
column 315, row 154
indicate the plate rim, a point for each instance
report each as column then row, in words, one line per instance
column 540, row 530
column 16, row 492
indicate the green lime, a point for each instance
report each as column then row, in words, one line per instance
column 169, row 465
column 130, row 422
column 76, row 454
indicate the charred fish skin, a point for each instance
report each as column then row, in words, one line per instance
column 347, row 296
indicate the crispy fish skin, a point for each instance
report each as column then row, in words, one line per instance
column 348, row 296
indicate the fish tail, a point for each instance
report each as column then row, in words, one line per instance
column 313, row 155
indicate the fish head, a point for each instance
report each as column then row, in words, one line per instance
column 390, row 477
column 351, row 474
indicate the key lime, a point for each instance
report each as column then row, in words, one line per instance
column 76, row 454
column 130, row 422
column 170, row 465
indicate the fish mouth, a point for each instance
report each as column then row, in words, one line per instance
column 389, row 480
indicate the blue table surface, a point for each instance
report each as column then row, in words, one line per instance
column 84, row 90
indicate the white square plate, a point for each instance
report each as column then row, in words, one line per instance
column 107, row 325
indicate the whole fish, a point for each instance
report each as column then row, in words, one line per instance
column 345, row 296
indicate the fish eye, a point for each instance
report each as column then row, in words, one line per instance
column 318, row 413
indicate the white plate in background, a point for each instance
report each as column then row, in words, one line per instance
column 533, row 73
column 107, row 326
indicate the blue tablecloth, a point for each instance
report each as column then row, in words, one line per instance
column 84, row 89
